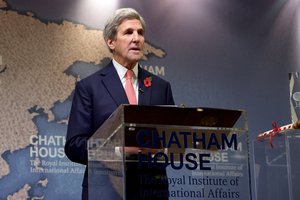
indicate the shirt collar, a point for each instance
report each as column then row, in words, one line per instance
column 121, row 70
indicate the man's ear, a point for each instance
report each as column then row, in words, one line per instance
column 111, row 44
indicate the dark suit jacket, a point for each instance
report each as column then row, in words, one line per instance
column 96, row 97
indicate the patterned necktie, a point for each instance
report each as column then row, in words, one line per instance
column 129, row 88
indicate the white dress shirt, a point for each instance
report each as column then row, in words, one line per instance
column 121, row 70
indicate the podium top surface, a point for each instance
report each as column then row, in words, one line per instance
column 174, row 115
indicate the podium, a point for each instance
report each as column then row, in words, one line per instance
column 276, row 168
column 169, row 152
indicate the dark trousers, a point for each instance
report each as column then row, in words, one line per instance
column 143, row 183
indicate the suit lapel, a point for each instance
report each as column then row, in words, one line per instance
column 144, row 92
column 113, row 85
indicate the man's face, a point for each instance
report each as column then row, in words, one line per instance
column 129, row 43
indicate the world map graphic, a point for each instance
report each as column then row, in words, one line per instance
column 40, row 64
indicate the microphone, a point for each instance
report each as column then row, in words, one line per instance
column 141, row 90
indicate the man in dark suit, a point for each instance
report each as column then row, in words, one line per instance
column 98, row 95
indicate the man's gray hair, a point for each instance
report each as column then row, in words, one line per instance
column 112, row 24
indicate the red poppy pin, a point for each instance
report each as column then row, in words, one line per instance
column 148, row 81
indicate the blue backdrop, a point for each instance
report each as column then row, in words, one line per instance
column 218, row 53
